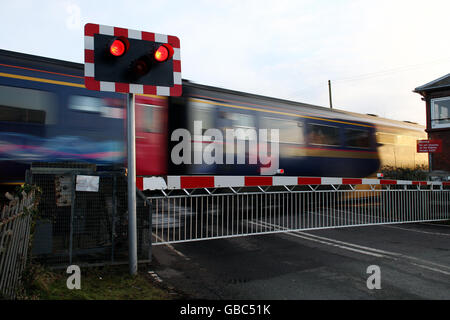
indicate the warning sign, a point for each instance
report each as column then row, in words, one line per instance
column 429, row 145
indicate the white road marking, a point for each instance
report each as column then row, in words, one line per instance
column 436, row 224
column 335, row 245
column 352, row 244
column 172, row 248
column 310, row 237
column 430, row 268
column 373, row 251
column 412, row 230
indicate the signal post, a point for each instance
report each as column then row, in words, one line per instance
column 132, row 62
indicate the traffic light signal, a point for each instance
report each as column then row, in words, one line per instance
column 132, row 61
column 119, row 46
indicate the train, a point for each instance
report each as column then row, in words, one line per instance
column 48, row 116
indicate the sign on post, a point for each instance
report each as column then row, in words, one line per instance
column 133, row 62
column 429, row 146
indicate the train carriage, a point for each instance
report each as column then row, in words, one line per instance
column 47, row 115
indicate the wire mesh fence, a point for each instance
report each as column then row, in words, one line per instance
column 87, row 225
column 76, row 226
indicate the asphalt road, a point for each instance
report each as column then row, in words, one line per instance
column 413, row 260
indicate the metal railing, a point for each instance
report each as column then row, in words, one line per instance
column 206, row 213
column 90, row 227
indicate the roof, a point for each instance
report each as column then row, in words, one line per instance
column 442, row 82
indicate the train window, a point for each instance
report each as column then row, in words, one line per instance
column 241, row 120
column 150, row 119
column 323, row 135
column 106, row 107
column 290, row 131
column 203, row 112
column 440, row 112
column 27, row 105
column 357, row 138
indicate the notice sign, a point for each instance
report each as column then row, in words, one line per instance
column 429, row 145
column 87, row 183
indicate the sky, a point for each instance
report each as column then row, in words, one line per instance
column 374, row 52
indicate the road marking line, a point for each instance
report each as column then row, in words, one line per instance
column 305, row 236
column 436, row 225
column 172, row 248
column 335, row 245
column 432, row 269
column 382, row 253
column 352, row 244
column 425, row 232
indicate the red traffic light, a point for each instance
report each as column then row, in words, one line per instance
column 163, row 53
column 118, row 47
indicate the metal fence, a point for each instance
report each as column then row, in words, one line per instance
column 15, row 223
column 197, row 214
column 86, row 225
column 89, row 225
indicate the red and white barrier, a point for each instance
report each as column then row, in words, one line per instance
column 196, row 182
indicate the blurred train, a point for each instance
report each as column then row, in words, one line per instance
column 47, row 116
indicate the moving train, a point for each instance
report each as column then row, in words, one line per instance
column 47, row 116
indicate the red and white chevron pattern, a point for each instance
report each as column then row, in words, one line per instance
column 89, row 64
column 195, row 182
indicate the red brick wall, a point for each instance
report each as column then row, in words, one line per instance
column 440, row 160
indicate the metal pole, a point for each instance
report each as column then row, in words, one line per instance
column 72, row 213
column 131, row 134
column 329, row 93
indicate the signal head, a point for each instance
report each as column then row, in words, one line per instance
column 163, row 53
column 119, row 46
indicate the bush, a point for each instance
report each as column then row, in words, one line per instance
column 419, row 173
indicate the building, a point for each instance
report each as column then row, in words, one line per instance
column 436, row 95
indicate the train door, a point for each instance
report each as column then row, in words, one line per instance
column 151, row 135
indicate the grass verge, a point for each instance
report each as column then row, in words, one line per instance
column 101, row 283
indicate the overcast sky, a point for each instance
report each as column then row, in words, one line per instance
column 374, row 52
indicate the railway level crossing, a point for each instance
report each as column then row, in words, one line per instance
column 87, row 223
column 131, row 61
column 198, row 208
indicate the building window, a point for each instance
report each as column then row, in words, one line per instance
column 440, row 113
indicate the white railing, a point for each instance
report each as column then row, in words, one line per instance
column 220, row 207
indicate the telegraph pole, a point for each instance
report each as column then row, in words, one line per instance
column 329, row 94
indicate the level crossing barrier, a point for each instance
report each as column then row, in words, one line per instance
column 192, row 208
